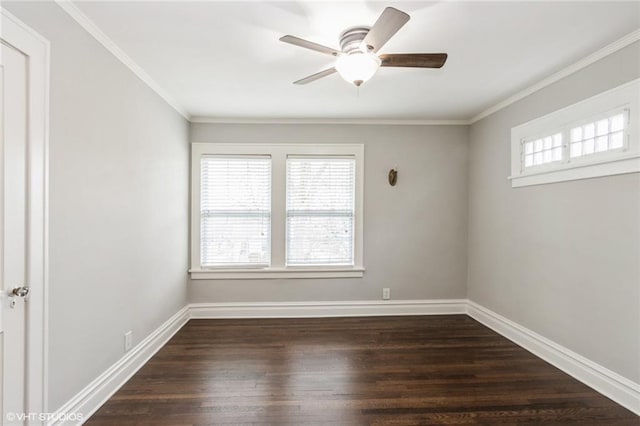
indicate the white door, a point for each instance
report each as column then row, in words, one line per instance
column 13, row 232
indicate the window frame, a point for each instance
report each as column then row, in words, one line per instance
column 623, row 98
column 278, row 154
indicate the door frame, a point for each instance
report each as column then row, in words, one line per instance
column 37, row 50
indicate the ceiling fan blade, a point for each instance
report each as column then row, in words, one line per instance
column 310, row 45
column 316, row 76
column 389, row 22
column 413, row 60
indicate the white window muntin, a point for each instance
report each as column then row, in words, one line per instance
column 537, row 152
column 595, row 120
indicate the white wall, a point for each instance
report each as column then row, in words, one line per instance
column 414, row 233
column 561, row 259
column 118, row 205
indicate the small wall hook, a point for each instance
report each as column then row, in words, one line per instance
column 393, row 176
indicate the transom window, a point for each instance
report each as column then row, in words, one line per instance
column 585, row 139
column 276, row 211
column 594, row 137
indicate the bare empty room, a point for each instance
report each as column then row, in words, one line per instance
column 319, row 213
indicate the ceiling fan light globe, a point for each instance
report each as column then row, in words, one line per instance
column 357, row 67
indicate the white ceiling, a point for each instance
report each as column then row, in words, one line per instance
column 223, row 59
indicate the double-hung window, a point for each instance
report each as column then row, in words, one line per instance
column 594, row 137
column 320, row 210
column 276, row 211
column 235, row 211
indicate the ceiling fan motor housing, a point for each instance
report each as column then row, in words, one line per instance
column 358, row 61
column 351, row 38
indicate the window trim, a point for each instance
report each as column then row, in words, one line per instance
column 619, row 161
column 278, row 153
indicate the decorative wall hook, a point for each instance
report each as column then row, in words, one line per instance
column 393, row 176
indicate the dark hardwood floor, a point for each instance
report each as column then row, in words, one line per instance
column 377, row 370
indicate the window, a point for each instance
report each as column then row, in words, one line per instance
column 276, row 211
column 235, row 211
column 543, row 150
column 320, row 210
column 606, row 134
column 595, row 137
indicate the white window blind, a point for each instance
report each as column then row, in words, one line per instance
column 320, row 211
column 235, row 211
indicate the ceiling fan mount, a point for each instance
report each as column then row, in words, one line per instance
column 351, row 39
column 357, row 60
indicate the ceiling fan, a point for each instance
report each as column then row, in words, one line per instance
column 357, row 61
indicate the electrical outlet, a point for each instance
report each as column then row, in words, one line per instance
column 128, row 340
column 386, row 293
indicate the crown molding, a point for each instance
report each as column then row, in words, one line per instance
column 86, row 23
column 89, row 26
column 352, row 121
column 565, row 72
column 573, row 68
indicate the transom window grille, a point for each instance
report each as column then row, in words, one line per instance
column 543, row 150
column 602, row 135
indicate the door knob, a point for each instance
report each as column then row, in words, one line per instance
column 19, row 291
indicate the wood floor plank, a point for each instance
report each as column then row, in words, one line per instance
column 410, row 370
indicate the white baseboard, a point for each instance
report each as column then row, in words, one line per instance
column 93, row 396
column 620, row 389
column 328, row 309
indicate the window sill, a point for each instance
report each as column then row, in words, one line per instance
column 264, row 274
column 630, row 164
